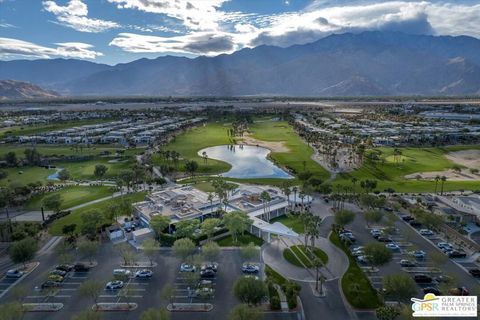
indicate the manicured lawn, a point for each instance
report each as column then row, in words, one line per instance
column 294, row 222
column 83, row 170
column 355, row 285
column 189, row 143
column 203, row 185
column 65, row 150
column 25, row 175
column 291, row 254
column 391, row 175
column 241, row 241
column 299, row 156
column 72, row 196
column 275, row 276
column 75, row 216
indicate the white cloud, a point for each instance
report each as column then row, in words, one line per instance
column 75, row 16
column 194, row 14
column 14, row 48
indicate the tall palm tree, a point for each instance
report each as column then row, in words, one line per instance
column 295, row 190
column 437, row 178
column 443, row 178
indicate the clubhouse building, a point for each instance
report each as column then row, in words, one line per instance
column 186, row 202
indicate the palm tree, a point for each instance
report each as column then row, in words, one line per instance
column 295, row 190
column 437, row 178
column 443, row 178
column 265, row 197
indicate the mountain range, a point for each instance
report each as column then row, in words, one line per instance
column 10, row 89
column 373, row 63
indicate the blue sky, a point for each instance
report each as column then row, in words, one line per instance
column 113, row 31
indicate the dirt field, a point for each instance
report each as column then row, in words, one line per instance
column 274, row 146
column 467, row 158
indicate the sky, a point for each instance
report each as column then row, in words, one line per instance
column 116, row 31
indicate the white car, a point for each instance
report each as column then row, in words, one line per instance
column 122, row 272
column 426, row 232
column 143, row 273
column 444, row 246
column 250, row 268
column 419, row 254
column 185, row 267
column 392, row 246
column 14, row 273
column 359, row 248
column 113, row 285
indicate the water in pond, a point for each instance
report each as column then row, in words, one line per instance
column 247, row 162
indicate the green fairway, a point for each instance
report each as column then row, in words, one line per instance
column 83, row 170
column 75, row 216
column 25, row 175
column 390, row 174
column 298, row 158
column 189, row 143
column 71, row 196
column 65, row 150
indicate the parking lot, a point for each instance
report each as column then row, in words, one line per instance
column 409, row 240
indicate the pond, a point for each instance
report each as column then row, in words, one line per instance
column 247, row 162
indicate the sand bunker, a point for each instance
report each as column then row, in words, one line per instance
column 467, row 158
column 274, row 146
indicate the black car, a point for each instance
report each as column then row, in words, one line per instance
column 475, row 272
column 421, row 278
column 384, row 239
column 407, row 218
column 80, row 267
column 207, row 274
column 433, row 290
column 414, row 223
column 457, row 254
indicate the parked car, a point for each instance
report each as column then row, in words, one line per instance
column 58, row 272
column 348, row 236
column 407, row 263
column 461, row 291
column 426, row 232
column 14, row 273
column 122, row 272
column 414, row 223
column 359, row 248
column 419, row 254
column 250, row 268
column 457, row 254
column 392, row 246
column 363, row 259
column 407, row 218
column 213, row 266
column 443, row 278
column 204, row 292
column 145, row 273
column 422, row 278
column 80, row 267
column 433, row 290
column 384, row 239
column 64, row 267
column 207, row 274
column 475, row 272
column 444, row 245
column 358, row 253
column 204, row 283
column 185, row 267
column 55, row 278
column 50, row 284
column 113, row 285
